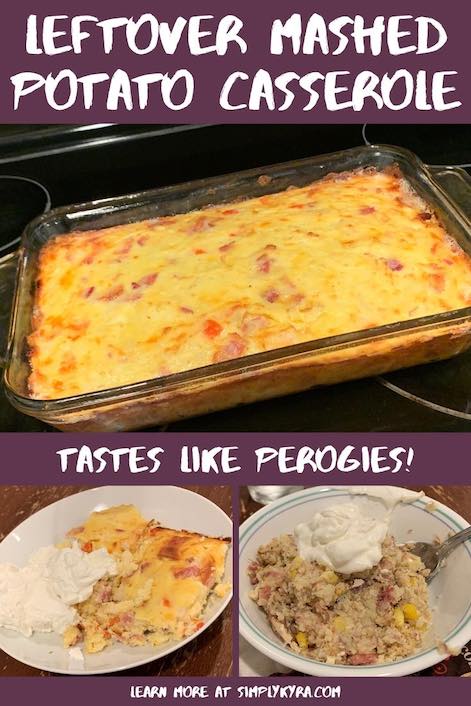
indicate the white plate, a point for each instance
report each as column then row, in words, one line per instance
column 450, row 594
column 171, row 506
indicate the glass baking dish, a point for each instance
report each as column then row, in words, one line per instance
column 243, row 380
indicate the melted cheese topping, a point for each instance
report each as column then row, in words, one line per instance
column 116, row 529
column 181, row 568
column 139, row 301
column 165, row 578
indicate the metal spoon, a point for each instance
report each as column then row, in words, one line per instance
column 433, row 555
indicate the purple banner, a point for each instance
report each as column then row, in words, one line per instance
column 235, row 62
column 235, row 459
column 123, row 690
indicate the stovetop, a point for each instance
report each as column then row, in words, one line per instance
column 80, row 163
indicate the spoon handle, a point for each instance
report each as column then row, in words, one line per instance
column 450, row 545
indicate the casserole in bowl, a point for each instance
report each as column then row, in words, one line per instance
column 150, row 308
column 423, row 520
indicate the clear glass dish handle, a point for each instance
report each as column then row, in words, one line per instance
column 8, row 267
column 456, row 182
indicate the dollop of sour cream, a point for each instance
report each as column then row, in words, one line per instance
column 40, row 596
column 344, row 538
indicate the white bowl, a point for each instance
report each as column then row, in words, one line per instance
column 171, row 506
column 450, row 594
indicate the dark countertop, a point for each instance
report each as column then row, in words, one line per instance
column 457, row 497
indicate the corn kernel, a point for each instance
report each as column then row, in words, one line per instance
column 301, row 639
column 330, row 577
column 295, row 564
column 340, row 624
column 411, row 614
column 398, row 617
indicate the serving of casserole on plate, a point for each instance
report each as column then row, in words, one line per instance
column 164, row 581
column 199, row 297
column 168, row 583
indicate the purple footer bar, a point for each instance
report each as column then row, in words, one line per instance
column 75, row 691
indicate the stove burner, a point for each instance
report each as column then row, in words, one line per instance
column 21, row 200
column 444, row 386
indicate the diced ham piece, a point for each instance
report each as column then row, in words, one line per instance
column 227, row 246
column 252, row 324
column 185, row 572
column 252, row 571
column 186, row 310
column 234, row 347
column 264, row 592
column 271, row 295
column 208, row 571
column 88, row 292
column 149, row 279
column 104, row 594
column 127, row 619
column 132, row 297
column 386, row 595
column 142, row 240
column 366, row 210
column 126, row 247
column 199, row 225
column 394, row 264
column 145, row 281
column 112, row 293
column 264, row 263
column 361, row 659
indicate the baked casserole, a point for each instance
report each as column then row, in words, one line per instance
column 164, row 581
column 371, row 617
column 349, row 252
